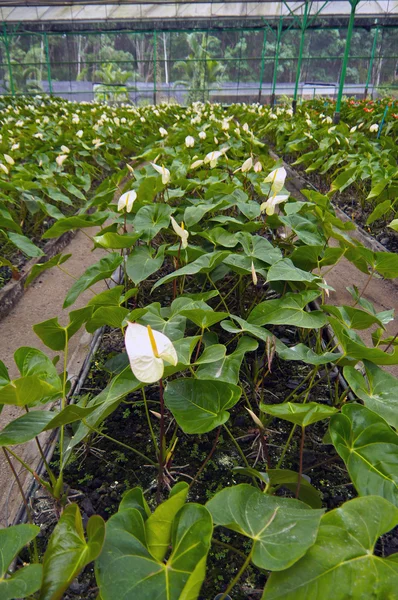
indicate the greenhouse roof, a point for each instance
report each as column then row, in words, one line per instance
column 17, row 11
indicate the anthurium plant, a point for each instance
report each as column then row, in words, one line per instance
column 223, row 297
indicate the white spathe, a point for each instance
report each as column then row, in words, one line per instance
column 181, row 232
column 61, row 159
column 270, row 205
column 277, row 180
column 126, row 201
column 147, row 350
column 189, row 141
column 165, row 173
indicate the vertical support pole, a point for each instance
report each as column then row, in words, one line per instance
column 7, row 49
column 336, row 117
column 46, row 49
column 155, row 45
column 276, row 61
column 372, row 57
column 300, row 56
column 262, row 68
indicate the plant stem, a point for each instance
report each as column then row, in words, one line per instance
column 161, row 441
column 239, row 449
column 229, row 547
column 28, row 468
column 208, row 457
column 216, row 288
column 237, row 576
column 286, row 446
column 148, row 416
column 301, row 462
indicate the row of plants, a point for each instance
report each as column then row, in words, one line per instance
column 246, row 464
column 355, row 160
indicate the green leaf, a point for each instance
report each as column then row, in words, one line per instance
column 379, row 390
column 342, row 181
column 159, row 524
column 116, row 240
column 288, row 310
column 53, row 335
column 31, row 361
column 306, row 228
column 7, row 221
column 113, row 316
column 282, row 529
column 204, row 264
column 38, row 269
column 142, row 263
column 289, row 479
column 126, row 569
column 352, row 317
column 341, row 563
column 25, row 245
column 284, row 270
column 103, row 269
column 299, row 414
column 220, row 237
column 369, row 448
column 200, row 406
column 24, row 581
column 68, row 552
column 204, row 318
column 227, row 369
column 149, row 220
column 381, row 210
column 28, row 391
column 77, row 222
column 25, row 428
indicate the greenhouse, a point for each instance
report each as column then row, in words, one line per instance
column 198, row 286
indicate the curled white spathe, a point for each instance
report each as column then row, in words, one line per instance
column 127, row 200
column 181, row 232
column 189, row 141
column 147, row 350
column 165, row 173
column 277, row 180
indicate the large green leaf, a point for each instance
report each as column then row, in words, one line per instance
column 284, row 270
column 77, row 222
column 38, row 269
column 114, row 240
column 200, row 405
column 27, row 580
column 379, row 390
column 149, row 220
column 299, row 414
column 369, row 448
column 31, row 361
column 28, row 391
column 341, row 563
column 103, row 269
column 288, row 310
column 142, row 262
column 25, row 428
column 68, row 552
column 227, row 368
column 53, row 335
column 25, row 245
column 282, row 529
column 126, row 569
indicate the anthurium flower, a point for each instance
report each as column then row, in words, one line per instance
column 247, row 165
column 196, row 164
column 38, row 136
column 65, row 149
column 254, row 274
column 165, row 173
column 270, row 205
column 162, row 131
column 79, row 133
column 61, row 159
column 3, row 168
column 212, row 158
column 277, row 179
column 126, row 201
column 147, row 350
column 189, row 141
column 9, row 159
column 180, row 231
column 202, row 135
column 258, row 167
column 373, row 128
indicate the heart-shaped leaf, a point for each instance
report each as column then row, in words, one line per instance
column 142, row 262
column 103, row 269
column 27, row 580
column 289, row 310
column 299, row 414
column 341, row 563
column 369, row 448
column 282, row 529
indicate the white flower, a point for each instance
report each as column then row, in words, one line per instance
column 373, row 128
column 254, row 274
column 162, row 131
column 196, row 164
column 165, row 173
column 130, row 168
column 245, row 127
column 189, row 141
column 309, row 122
column 79, row 133
column 9, row 159
column 97, row 143
column 202, row 135
column 3, row 168
column 65, row 149
column 215, row 141
column 273, row 116
column 75, row 119
column 147, row 350
column 15, row 147
column 126, row 201
column 353, row 129
column 328, row 120
column 142, row 119
column 270, row 205
column 212, row 158
column 277, row 179
column 225, row 124
column 258, row 167
column 61, row 159
column 181, row 232
column 361, row 125
column 247, row 165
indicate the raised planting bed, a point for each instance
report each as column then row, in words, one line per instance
column 224, row 441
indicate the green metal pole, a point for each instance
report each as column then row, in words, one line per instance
column 300, row 56
column 155, row 45
column 354, row 3
column 50, row 83
column 7, row 49
column 372, row 57
column 262, row 68
column 276, row 61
